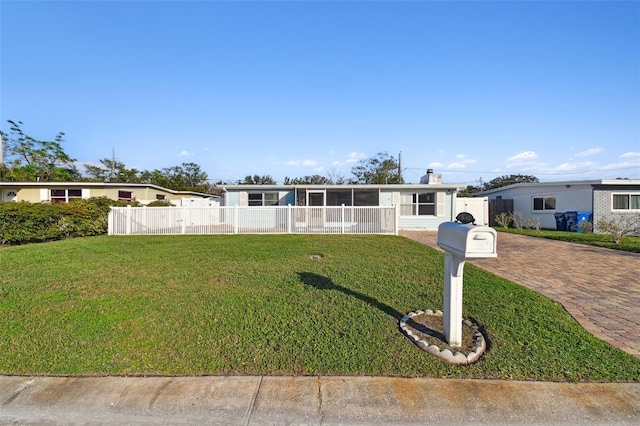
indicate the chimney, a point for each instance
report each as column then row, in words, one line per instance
column 430, row 178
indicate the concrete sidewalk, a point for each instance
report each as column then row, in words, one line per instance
column 258, row 400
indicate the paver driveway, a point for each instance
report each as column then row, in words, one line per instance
column 599, row 287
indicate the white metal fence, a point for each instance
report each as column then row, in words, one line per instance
column 252, row 220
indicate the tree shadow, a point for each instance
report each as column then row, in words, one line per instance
column 323, row 283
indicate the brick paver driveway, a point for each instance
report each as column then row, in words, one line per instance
column 599, row 287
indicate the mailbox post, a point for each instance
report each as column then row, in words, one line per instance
column 460, row 242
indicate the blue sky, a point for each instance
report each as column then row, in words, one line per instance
column 472, row 89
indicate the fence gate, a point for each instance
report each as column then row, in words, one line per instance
column 498, row 206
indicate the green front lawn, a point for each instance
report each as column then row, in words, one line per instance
column 192, row 305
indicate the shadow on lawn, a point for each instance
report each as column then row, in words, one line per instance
column 324, row 283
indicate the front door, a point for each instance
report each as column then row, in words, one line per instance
column 316, row 215
column 9, row 195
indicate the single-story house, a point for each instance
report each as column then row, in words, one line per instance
column 599, row 199
column 62, row 192
column 420, row 206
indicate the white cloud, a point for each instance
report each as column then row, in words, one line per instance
column 629, row 164
column 456, row 165
column 568, row 167
column 185, row 153
column 318, row 169
column 337, row 163
column 523, row 156
column 630, row 155
column 355, row 156
column 462, row 162
column 591, row 151
column 435, row 165
column 307, row 163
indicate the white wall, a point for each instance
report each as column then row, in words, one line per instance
column 478, row 207
column 568, row 198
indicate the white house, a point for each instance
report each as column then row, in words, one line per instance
column 63, row 192
column 598, row 199
column 419, row 206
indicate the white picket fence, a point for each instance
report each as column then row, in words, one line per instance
column 252, row 220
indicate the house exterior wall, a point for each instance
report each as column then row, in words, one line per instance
column 387, row 197
column 573, row 197
column 41, row 192
column 603, row 201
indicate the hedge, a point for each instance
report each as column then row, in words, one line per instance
column 25, row 222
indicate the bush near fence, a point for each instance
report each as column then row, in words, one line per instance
column 24, row 222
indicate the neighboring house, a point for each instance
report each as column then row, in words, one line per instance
column 599, row 198
column 63, row 192
column 420, row 206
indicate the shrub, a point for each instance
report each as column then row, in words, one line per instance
column 504, row 219
column 535, row 224
column 160, row 203
column 585, row 226
column 519, row 220
column 24, row 222
column 619, row 225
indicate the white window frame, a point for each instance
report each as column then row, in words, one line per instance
column 264, row 200
column 629, row 207
column 544, row 199
column 411, row 200
column 66, row 197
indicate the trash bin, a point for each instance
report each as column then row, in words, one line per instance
column 572, row 221
column 561, row 222
column 582, row 217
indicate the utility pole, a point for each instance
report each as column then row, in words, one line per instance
column 400, row 167
column 113, row 164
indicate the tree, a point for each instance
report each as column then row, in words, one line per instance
column 381, row 169
column 258, row 180
column 308, row 180
column 29, row 159
column 509, row 180
column 112, row 171
column 468, row 191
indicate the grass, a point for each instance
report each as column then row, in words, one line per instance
column 197, row 305
column 628, row 243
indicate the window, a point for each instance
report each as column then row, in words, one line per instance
column 418, row 204
column 263, row 199
column 544, row 203
column 366, row 197
column 65, row 195
column 159, row 197
column 626, row 202
column 339, row 197
column 125, row 196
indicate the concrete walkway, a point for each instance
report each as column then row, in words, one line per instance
column 599, row 287
column 234, row 400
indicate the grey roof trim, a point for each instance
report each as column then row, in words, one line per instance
column 421, row 187
column 594, row 182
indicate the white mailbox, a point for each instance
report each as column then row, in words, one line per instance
column 467, row 241
column 460, row 241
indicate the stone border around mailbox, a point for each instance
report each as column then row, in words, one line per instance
column 480, row 344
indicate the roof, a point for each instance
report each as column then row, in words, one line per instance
column 417, row 187
column 104, row 185
column 594, row 182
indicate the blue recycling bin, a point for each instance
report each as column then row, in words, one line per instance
column 582, row 217
column 572, row 221
column 561, row 222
